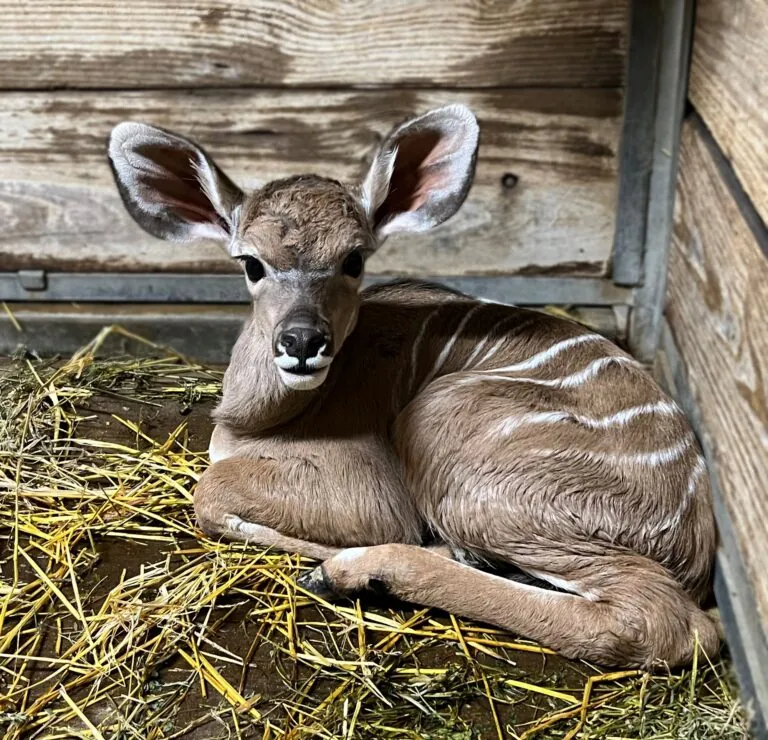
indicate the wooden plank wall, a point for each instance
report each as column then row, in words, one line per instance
column 274, row 88
column 729, row 87
column 716, row 306
column 717, row 291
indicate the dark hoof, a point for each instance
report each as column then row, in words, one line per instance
column 316, row 582
column 378, row 587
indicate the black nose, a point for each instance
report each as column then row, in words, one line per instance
column 302, row 343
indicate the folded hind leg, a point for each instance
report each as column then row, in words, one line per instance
column 565, row 518
column 634, row 613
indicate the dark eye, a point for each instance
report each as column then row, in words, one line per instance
column 353, row 264
column 253, row 268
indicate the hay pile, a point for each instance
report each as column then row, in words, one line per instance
column 118, row 619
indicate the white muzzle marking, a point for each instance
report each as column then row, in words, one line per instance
column 306, row 381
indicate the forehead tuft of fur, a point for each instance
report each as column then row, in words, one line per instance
column 303, row 222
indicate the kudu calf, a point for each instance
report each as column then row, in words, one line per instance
column 408, row 415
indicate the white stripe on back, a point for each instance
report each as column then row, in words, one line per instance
column 496, row 303
column 443, row 356
column 546, row 355
column 567, row 381
column 480, row 345
column 417, row 342
column 498, row 345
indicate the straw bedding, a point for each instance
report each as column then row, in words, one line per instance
column 119, row 619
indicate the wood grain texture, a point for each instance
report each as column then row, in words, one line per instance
column 60, row 209
column 717, row 294
column 729, row 86
column 456, row 43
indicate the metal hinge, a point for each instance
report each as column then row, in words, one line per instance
column 32, row 279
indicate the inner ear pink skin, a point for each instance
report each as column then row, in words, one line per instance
column 408, row 189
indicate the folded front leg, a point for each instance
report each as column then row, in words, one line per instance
column 257, row 534
column 295, row 505
column 232, row 500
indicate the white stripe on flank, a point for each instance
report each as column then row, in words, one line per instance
column 623, row 417
column 699, row 468
column 535, row 417
column 651, row 459
column 443, row 356
column 696, row 473
column 568, row 381
column 493, row 350
column 673, row 521
column 478, row 348
column 546, row 355
column 657, row 457
column 620, row 418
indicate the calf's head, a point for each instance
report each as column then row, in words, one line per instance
column 302, row 241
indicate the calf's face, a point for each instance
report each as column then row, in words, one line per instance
column 302, row 241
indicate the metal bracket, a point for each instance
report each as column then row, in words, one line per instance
column 32, row 279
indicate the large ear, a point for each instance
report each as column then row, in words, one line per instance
column 422, row 172
column 170, row 186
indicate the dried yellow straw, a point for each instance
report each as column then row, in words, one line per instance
column 117, row 614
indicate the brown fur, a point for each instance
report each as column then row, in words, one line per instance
column 304, row 222
column 372, row 458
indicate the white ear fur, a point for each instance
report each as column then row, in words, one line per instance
column 170, row 186
column 375, row 187
column 422, row 172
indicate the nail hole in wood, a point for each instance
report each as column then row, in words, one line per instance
column 509, row 180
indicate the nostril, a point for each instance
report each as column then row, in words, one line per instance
column 314, row 344
column 288, row 340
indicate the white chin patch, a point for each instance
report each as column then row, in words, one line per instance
column 298, row 382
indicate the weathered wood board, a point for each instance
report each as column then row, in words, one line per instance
column 112, row 44
column 729, row 86
column 717, row 295
column 60, row 210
